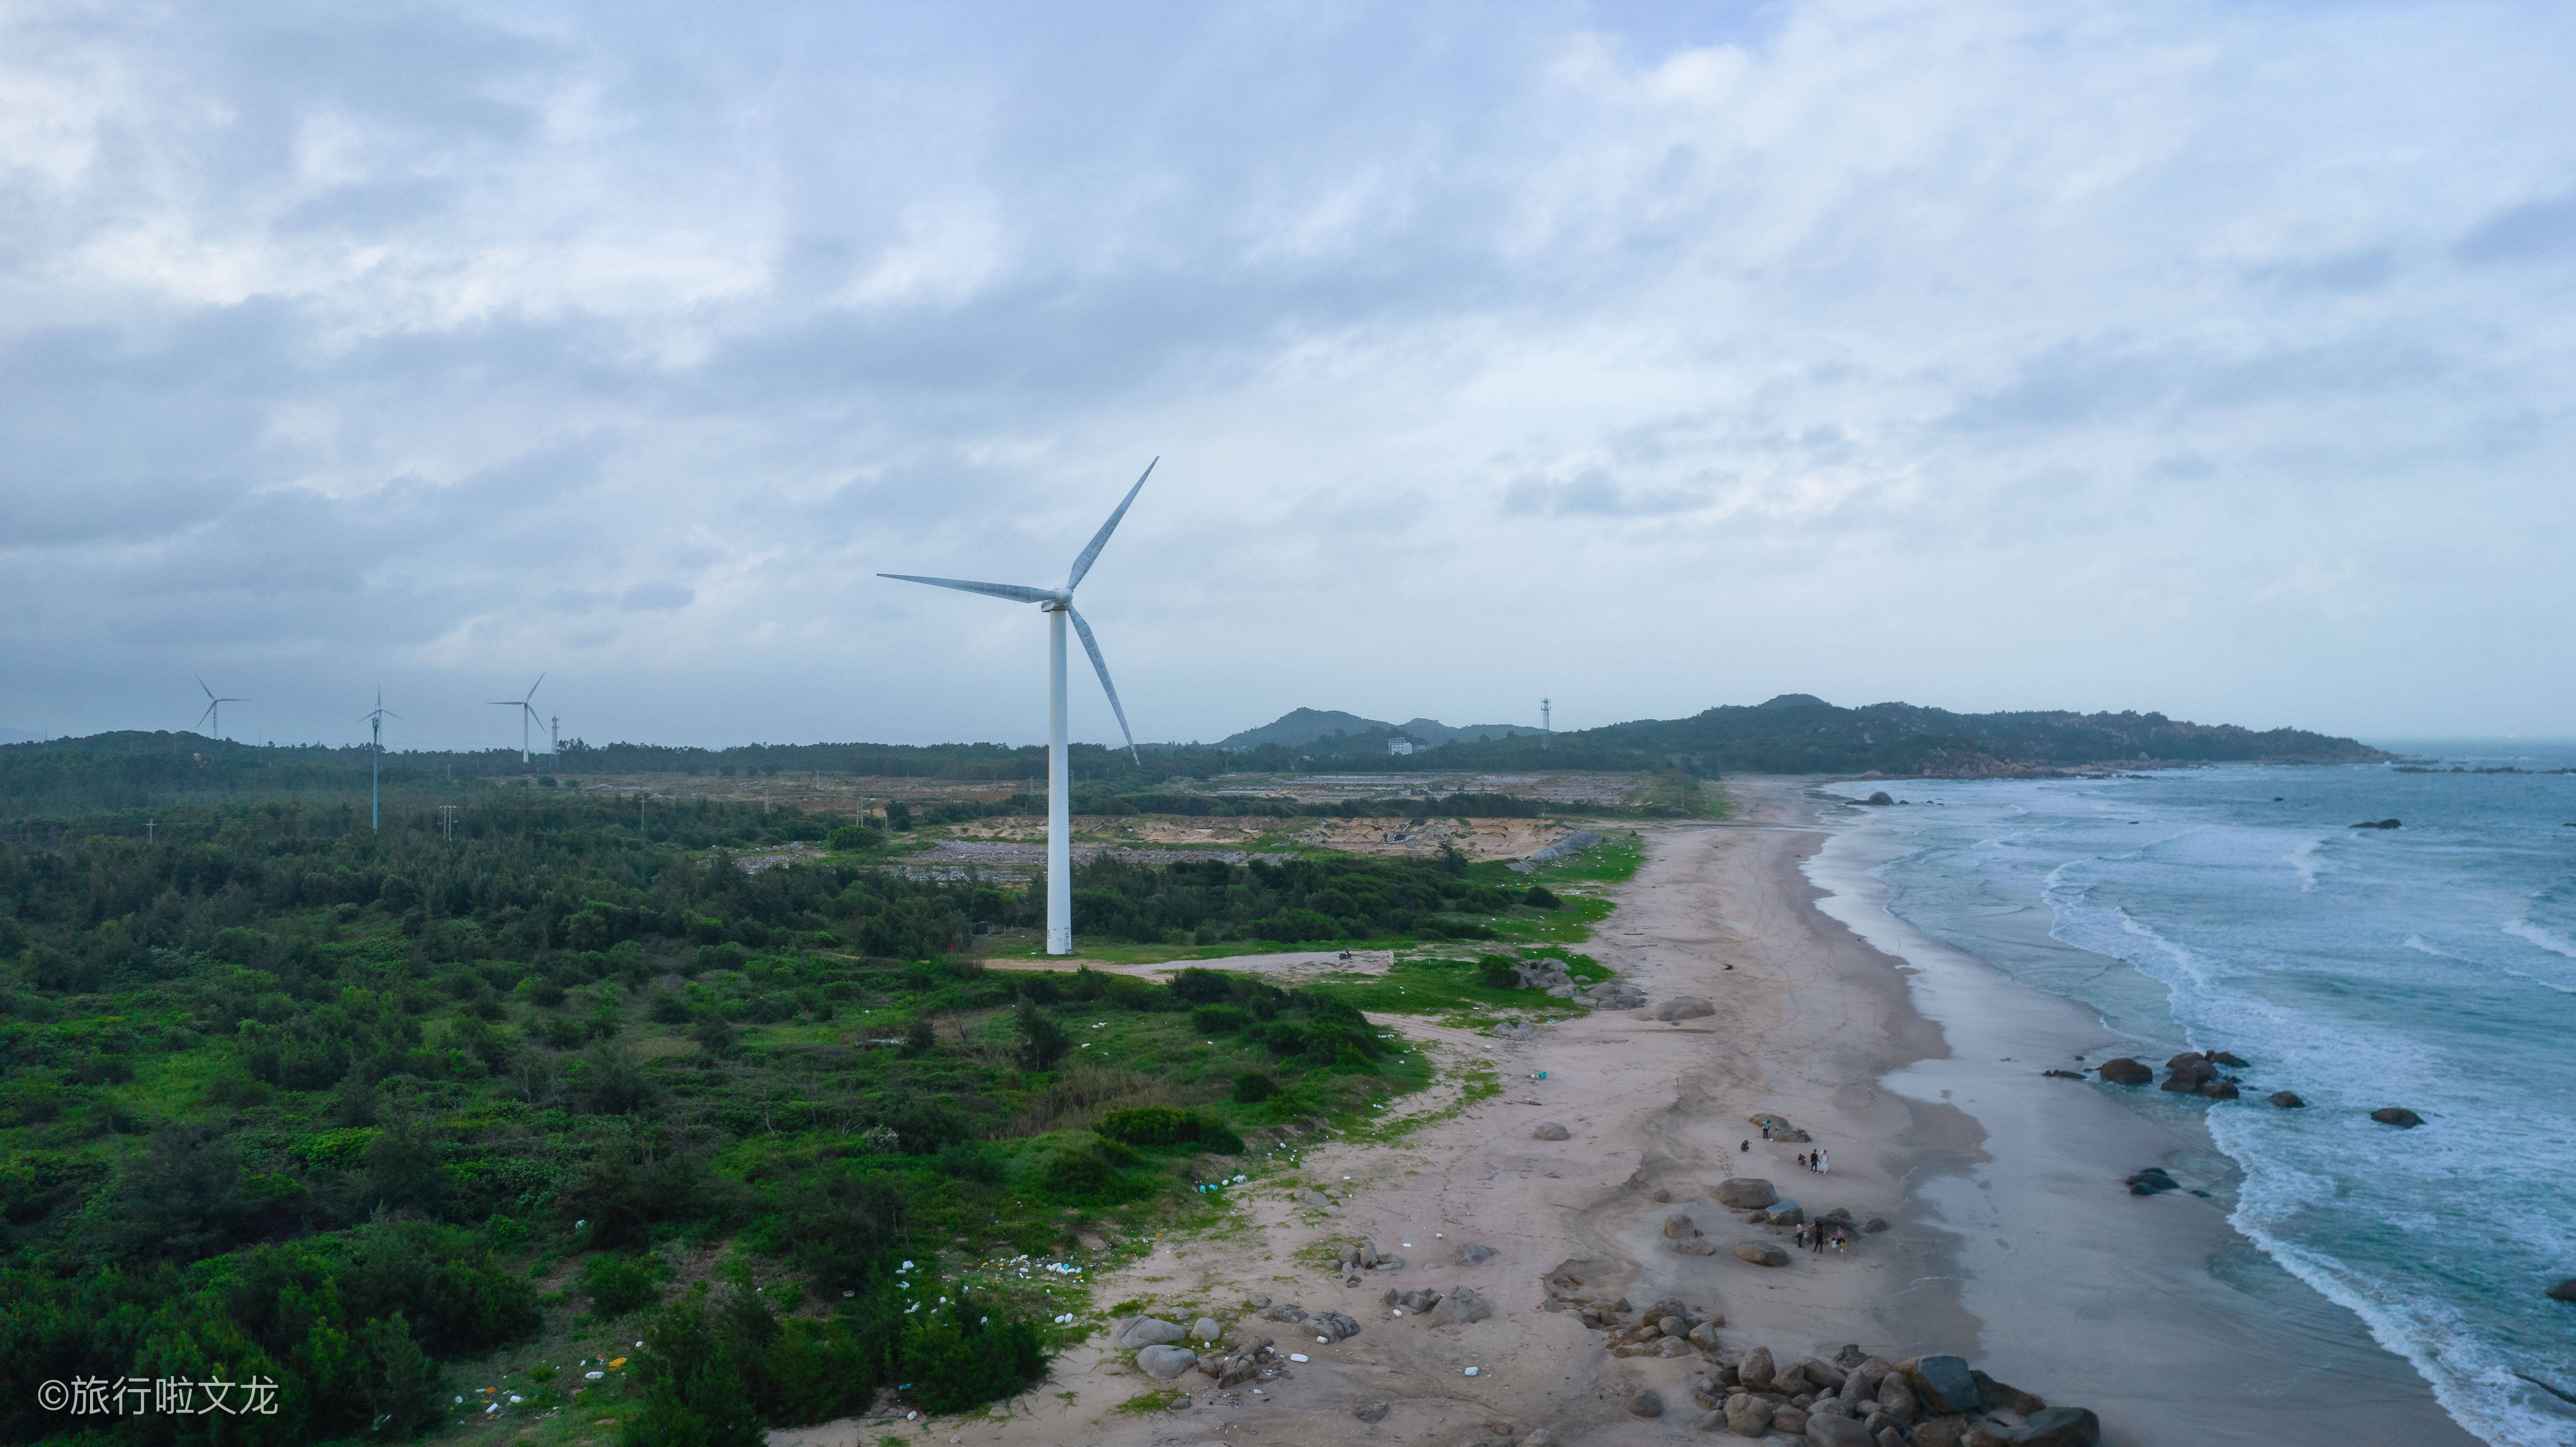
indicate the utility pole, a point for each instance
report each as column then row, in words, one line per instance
column 640, row 796
column 449, row 810
column 147, row 829
column 1546, row 722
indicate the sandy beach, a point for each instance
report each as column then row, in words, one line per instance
column 2012, row 1240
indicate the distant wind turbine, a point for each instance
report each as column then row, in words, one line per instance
column 1057, row 603
column 527, row 708
column 376, row 751
column 215, row 709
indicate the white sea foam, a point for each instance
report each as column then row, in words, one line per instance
column 2541, row 935
column 2309, row 860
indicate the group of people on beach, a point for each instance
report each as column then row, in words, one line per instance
column 1819, row 1235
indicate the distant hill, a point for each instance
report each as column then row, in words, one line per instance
column 18, row 736
column 1802, row 734
column 1311, row 725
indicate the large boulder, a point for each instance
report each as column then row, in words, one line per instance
column 1827, row 1376
column 2187, row 1072
column 1206, row 1329
column 1944, row 1385
column 1744, row 1193
column 1163, row 1363
column 1789, row 1421
column 2287, row 1099
column 2218, row 1089
column 2228, row 1058
column 1333, row 1326
column 1644, row 1402
column 1146, row 1331
column 2397, row 1115
column 1691, row 1246
column 1286, row 1311
column 1685, row 1007
column 1754, row 1371
column 1761, row 1253
column 1549, row 1130
column 1783, row 1213
column 1998, row 1394
column 1677, row 1226
column 1830, row 1431
column 2125, row 1071
column 1896, row 1399
column 2564, row 1291
column 2058, row 1427
column 1747, row 1415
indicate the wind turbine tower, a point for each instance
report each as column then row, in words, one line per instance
column 527, row 712
column 1057, row 604
column 1546, row 723
column 376, row 761
column 215, row 709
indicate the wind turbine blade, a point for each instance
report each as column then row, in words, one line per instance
column 1082, row 565
column 201, row 683
column 1012, row 591
column 540, row 683
column 1091, row 646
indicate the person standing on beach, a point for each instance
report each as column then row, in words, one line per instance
column 1821, row 1164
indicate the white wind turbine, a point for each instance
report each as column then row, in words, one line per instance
column 376, row 756
column 527, row 708
column 1057, row 603
column 215, row 709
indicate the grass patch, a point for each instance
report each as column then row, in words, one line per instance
column 1158, row 1400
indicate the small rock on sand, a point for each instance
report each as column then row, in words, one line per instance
column 1372, row 1411
column 1677, row 1226
column 1471, row 1254
column 1761, row 1253
column 1645, row 1402
column 1150, row 1331
column 1206, row 1329
column 1463, row 1306
column 1549, row 1130
column 2397, row 1115
column 1692, row 1246
column 1746, row 1192
column 1685, row 1007
column 1163, row 1363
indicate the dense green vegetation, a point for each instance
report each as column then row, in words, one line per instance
column 285, row 1097
column 1333, row 897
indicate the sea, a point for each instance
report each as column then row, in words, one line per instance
column 2430, row 966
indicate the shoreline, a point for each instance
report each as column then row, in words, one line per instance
column 2013, row 1242
column 2070, row 1276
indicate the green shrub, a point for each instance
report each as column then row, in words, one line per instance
column 1539, row 897
column 1252, row 1087
column 1201, row 987
column 1042, row 1041
column 966, row 1354
column 667, row 1009
column 619, row 1284
column 970, row 1161
column 1497, row 973
column 856, row 836
column 1218, row 1020
column 919, row 1038
column 1161, row 1125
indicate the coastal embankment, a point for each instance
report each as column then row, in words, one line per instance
column 1552, row 1215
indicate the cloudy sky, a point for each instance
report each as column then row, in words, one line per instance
column 2206, row 358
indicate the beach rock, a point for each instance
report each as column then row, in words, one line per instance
column 1163, row 1363
column 2010, row 1398
column 1790, row 1420
column 1462, row 1307
column 1146, row 1331
column 2063, row 1074
column 1286, row 1311
column 1678, row 1225
column 2397, row 1115
column 2287, row 1099
column 1784, row 1213
column 1335, row 1326
column 1941, row 1432
column 1256, row 1302
column 1372, row 1411
column 1746, row 1192
column 1704, row 1336
column 2186, row 1072
column 1891, row 1437
column 2058, row 1427
column 1471, row 1254
column 2218, row 1089
column 2378, row 824
column 1549, row 1130
column 1849, row 1355
column 1644, row 1402
column 2125, row 1071
column 1753, row 1372
column 2564, row 1291
column 1657, row 1313
column 1896, row 1399
column 1881, row 796
column 1874, row 1224
column 1685, row 1007
column 2228, row 1058
column 1747, row 1415
column 1661, row 1196
column 1311, row 1197
column 1831, row 1431
column 1695, row 1246
column 1943, row 1384
column 1827, row 1376
column 1206, row 1329
column 1761, row 1253
column 2151, row 1181
column 1540, row 1438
